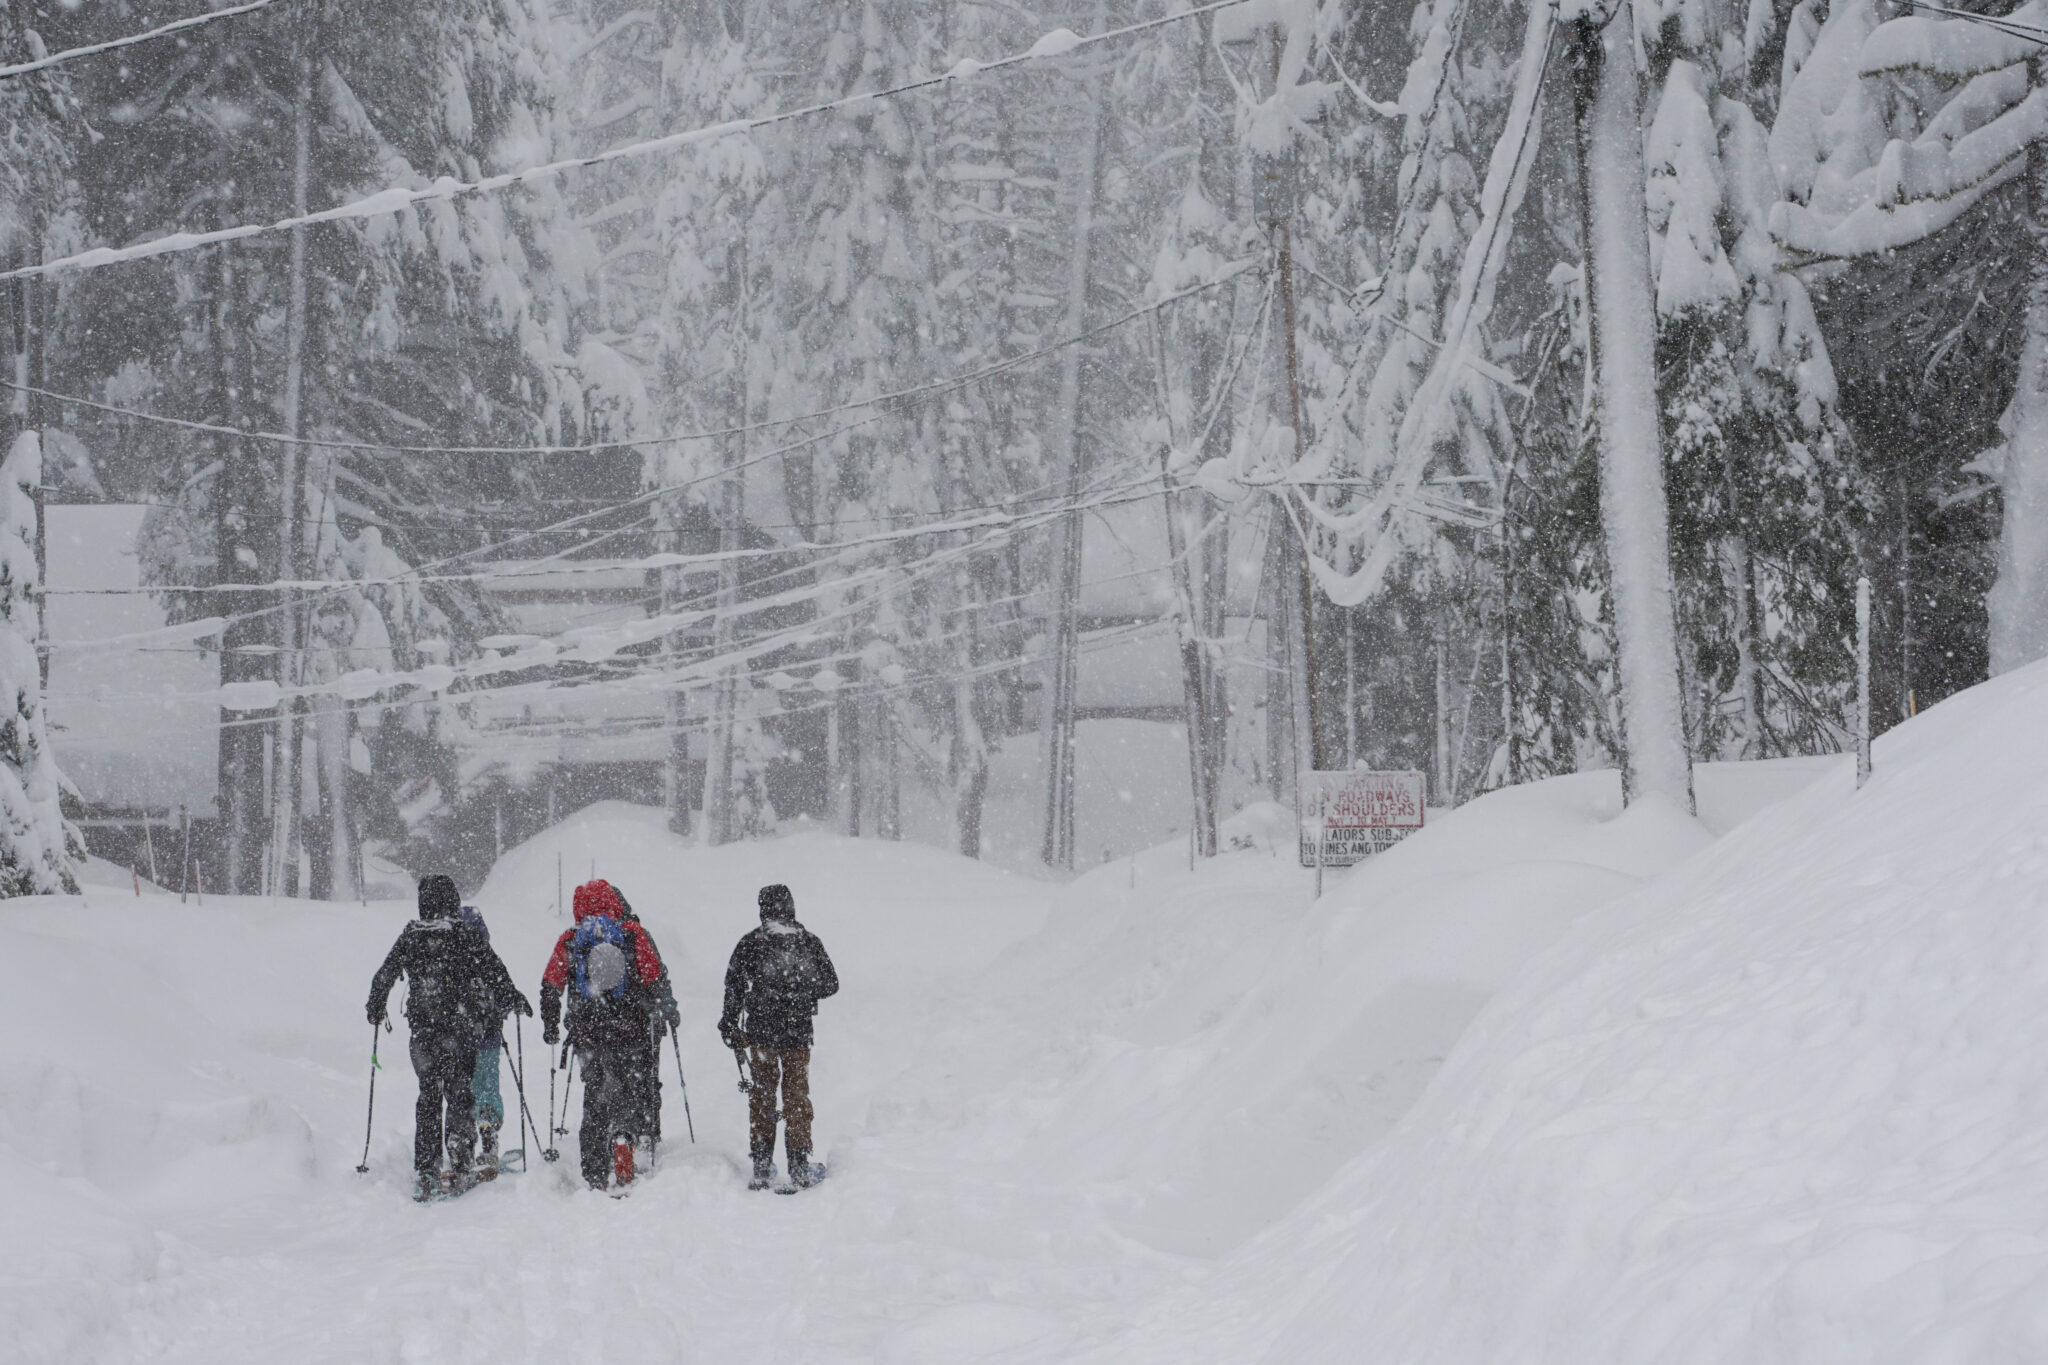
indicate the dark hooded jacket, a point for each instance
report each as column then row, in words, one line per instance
column 777, row 975
column 454, row 981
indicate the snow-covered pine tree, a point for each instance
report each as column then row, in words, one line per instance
column 39, row 852
column 1765, row 499
column 1889, row 133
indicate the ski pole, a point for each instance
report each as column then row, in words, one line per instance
column 370, row 1116
column 568, row 1089
column 548, row 1152
column 684, row 1084
column 738, row 1060
column 519, row 1082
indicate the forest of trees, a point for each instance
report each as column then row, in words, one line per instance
column 1557, row 371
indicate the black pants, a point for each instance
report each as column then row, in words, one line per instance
column 445, row 1062
column 649, row 1067
column 614, row 1099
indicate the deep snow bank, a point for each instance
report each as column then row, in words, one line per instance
column 1788, row 1103
column 1228, row 1044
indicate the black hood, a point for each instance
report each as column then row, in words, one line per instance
column 438, row 897
column 777, row 903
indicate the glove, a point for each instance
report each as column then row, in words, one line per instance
column 525, row 1007
column 551, row 1035
column 376, row 1013
column 729, row 1034
column 675, row 1019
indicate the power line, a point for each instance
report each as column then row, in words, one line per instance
column 1057, row 43
column 93, row 49
column 2002, row 23
column 928, row 388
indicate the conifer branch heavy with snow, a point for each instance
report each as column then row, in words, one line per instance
column 39, row 852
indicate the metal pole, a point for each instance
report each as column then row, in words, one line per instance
column 369, row 1117
column 1322, row 827
column 1862, row 681
column 684, row 1084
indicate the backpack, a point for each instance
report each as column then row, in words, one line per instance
column 600, row 956
column 782, row 979
column 438, row 979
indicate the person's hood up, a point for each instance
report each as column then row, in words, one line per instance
column 472, row 918
column 597, row 898
column 438, row 897
column 777, row 904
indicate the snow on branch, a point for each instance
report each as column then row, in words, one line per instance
column 397, row 200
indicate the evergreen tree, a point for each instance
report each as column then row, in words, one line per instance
column 39, row 853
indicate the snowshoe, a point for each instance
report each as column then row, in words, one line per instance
column 803, row 1173
column 426, row 1186
column 457, row 1182
column 764, row 1174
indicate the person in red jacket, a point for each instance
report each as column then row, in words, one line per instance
column 607, row 971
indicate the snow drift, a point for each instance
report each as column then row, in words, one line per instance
column 1788, row 1103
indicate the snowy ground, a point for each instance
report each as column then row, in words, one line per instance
column 1143, row 1115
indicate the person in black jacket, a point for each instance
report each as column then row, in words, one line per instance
column 659, row 1004
column 457, row 990
column 778, row 974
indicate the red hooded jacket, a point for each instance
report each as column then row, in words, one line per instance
column 596, row 898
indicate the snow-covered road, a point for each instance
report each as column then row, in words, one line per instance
column 1046, row 1106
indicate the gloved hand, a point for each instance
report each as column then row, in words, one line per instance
column 675, row 1019
column 525, row 1007
column 729, row 1034
column 376, row 1013
column 551, row 1035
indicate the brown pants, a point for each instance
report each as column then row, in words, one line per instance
column 789, row 1071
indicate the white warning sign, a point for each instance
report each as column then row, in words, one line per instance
column 1349, row 816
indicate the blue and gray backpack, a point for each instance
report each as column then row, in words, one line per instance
column 598, row 951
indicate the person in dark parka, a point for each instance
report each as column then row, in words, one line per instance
column 659, row 1003
column 457, row 989
column 778, row 974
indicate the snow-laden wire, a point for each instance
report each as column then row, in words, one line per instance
column 1057, row 43
column 597, row 645
column 2002, row 23
column 929, row 388
column 93, row 49
column 1500, row 198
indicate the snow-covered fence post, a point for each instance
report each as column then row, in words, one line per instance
column 1862, row 681
column 38, row 852
column 1607, row 104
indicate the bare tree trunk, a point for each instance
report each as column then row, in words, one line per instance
column 285, row 782
column 889, row 786
column 1058, row 847
column 1281, row 599
column 721, row 803
column 1749, row 689
column 1634, row 513
column 675, row 767
column 332, row 728
column 238, row 494
column 1442, row 781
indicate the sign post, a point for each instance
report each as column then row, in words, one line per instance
column 1358, row 814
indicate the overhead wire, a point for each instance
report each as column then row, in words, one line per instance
column 1058, row 43
column 928, row 388
column 115, row 44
